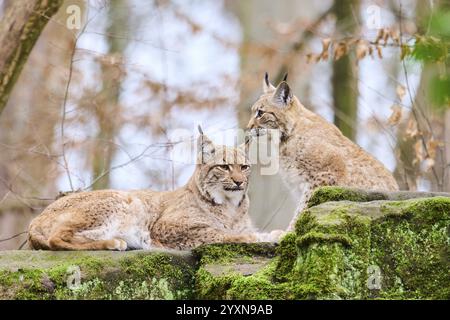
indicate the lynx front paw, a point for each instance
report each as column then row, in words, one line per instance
column 118, row 244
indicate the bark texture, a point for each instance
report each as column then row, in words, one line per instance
column 20, row 28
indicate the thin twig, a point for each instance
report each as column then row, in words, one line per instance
column 23, row 243
column 66, row 94
column 63, row 120
column 14, row 236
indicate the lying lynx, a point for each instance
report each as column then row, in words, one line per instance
column 211, row 208
column 313, row 152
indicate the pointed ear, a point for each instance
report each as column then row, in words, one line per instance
column 283, row 95
column 267, row 86
column 246, row 144
column 206, row 147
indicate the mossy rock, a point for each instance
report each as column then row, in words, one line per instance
column 223, row 269
column 348, row 245
column 96, row 275
column 342, row 250
column 326, row 194
column 377, row 249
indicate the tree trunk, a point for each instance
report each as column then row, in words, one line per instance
column 344, row 81
column 107, row 112
column 20, row 28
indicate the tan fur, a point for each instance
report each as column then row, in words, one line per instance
column 313, row 152
column 211, row 208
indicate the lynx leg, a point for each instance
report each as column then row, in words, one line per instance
column 36, row 240
column 65, row 240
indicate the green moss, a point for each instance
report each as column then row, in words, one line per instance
column 339, row 250
column 332, row 254
column 305, row 223
column 258, row 286
column 47, row 283
column 209, row 286
column 326, row 194
column 319, row 237
column 408, row 241
column 167, row 274
column 225, row 252
column 136, row 276
column 286, row 257
column 411, row 249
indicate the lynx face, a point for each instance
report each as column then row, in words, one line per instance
column 223, row 172
column 272, row 110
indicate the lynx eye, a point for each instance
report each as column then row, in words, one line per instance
column 224, row 167
column 259, row 113
column 245, row 167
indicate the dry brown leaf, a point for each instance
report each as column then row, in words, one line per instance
column 400, row 91
column 386, row 36
column 324, row 56
column 380, row 53
column 326, row 44
column 395, row 36
column 411, row 130
column 371, row 51
column 418, row 152
column 340, row 50
column 396, row 115
column 432, row 146
column 313, row 58
column 362, row 48
column 380, row 36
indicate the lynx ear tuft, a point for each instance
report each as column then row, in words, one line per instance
column 285, row 77
column 205, row 146
column 283, row 95
column 267, row 86
column 247, row 142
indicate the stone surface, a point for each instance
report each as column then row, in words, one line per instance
column 348, row 244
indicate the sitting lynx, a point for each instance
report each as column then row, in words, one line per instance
column 211, row 208
column 313, row 152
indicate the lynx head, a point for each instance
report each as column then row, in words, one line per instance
column 222, row 172
column 275, row 109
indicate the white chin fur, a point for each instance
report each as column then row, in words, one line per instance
column 224, row 196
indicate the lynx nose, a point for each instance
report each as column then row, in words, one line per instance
column 238, row 183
